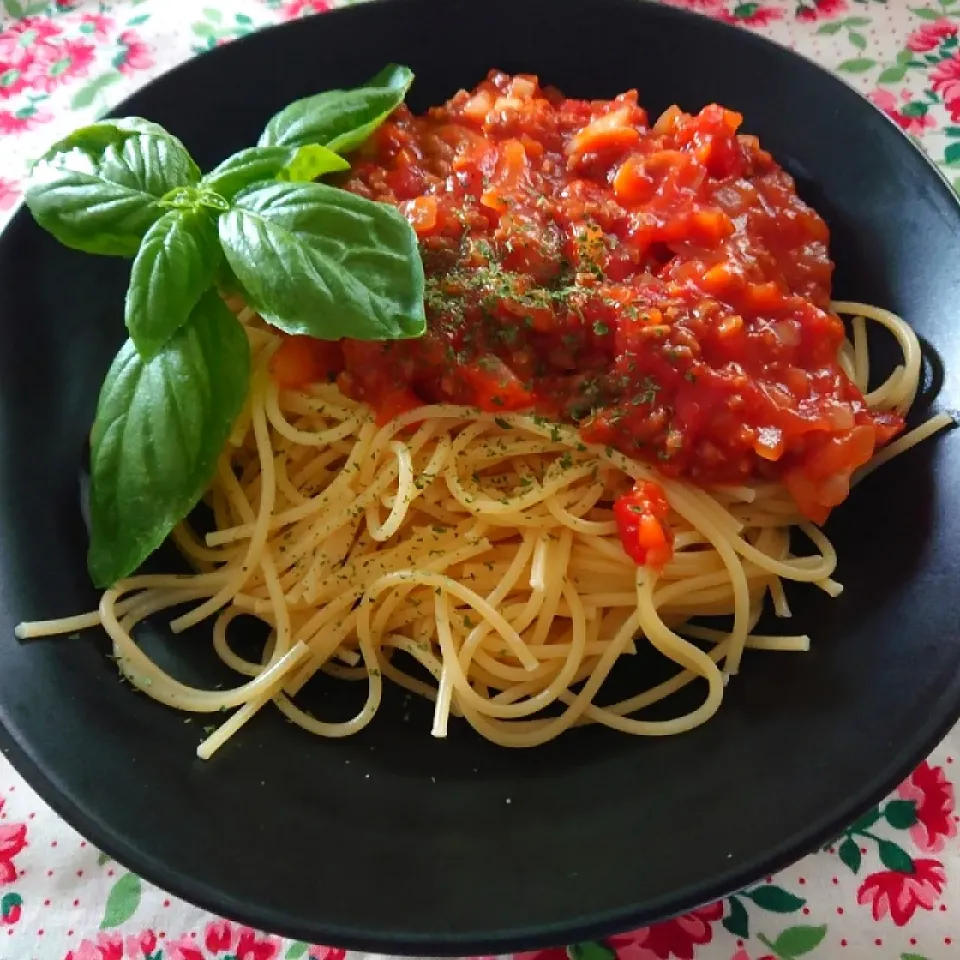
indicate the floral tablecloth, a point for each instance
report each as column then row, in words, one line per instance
column 888, row 888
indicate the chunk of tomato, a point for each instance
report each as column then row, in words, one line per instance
column 302, row 360
column 494, row 386
column 641, row 517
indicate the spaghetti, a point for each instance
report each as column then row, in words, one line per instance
column 482, row 547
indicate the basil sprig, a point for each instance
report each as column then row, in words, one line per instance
column 340, row 119
column 310, row 258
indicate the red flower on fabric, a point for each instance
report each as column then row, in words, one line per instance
column 107, row 946
column 334, row 953
column 256, row 946
column 86, row 951
column 219, row 936
column 673, row 938
column 140, row 946
column 58, row 63
column 555, row 953
column 243, row 943
column 931, row 791
column 25, row 119
column 12, row 79
column 900, row 894
column 110, row 946
column 752, row 15
column 183, row 949
column 912, row 123
column 301, row 8
column 819, row 10
column 133, row 54
column 28, row 32
column 96, row 24
column 13, row 838
column 928, row 37
column 945, row 78
column 22, row 46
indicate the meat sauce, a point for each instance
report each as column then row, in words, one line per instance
column 660, row 285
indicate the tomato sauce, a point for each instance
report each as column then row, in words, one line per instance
column 659, row 284
column 641, row 516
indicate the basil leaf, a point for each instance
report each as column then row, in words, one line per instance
column 312, row 162
column 175, row 265
column 153, row 164
column 258, row 164
column 321, row 261
column 228, row 284
column 339, row 119
column 96, row 137
column 104, row 200
column 160, row 427
column 253, row 165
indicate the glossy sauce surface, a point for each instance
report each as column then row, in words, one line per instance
column 657, row 282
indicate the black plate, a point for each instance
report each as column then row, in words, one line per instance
column 392, row 840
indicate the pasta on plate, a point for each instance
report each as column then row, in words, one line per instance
column 632, row 394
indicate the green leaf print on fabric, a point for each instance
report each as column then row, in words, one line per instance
column 590, row 950
column 769, row 897
column 88, row 95
column 737, row 921
column 894, row 857
column 866, row 821
column 893, row 74
column 296, row 950
column 212, row 31
column 11, row 908
column 901, row 814
column 857, row 65
column 122, row 902
column 951, row 155
column 849, row 854
column 795, row 941
column 897, row 813
column 23, row 8
column 775, row 899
